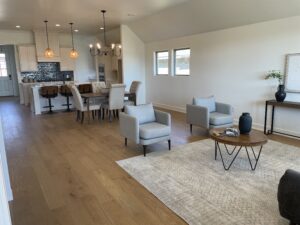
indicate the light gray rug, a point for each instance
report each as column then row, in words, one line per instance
column 191, row 183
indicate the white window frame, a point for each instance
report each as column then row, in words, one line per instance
column 155, row 63
column 174, row 62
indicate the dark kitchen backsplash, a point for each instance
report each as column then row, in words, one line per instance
column 48, row 71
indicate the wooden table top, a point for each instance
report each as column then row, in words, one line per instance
column 254, row 138
column 100, row 94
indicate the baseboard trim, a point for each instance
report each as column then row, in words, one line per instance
column 256, row 126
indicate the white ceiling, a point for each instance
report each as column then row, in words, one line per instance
column 198, row 16
column 85, row 14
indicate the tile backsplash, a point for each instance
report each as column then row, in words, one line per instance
column 48, row 71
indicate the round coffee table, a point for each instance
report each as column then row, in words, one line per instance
column 253, row 139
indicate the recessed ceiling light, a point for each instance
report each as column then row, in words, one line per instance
column 101, row 28
column 57, row 25
column 18, row 26
column 76, row 30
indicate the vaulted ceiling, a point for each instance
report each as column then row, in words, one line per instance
column 151, row 20
column 198, row 16
column 85, row 14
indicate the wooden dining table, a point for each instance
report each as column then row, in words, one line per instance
column 89, row 96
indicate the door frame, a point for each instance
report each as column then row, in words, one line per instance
column 9, row 50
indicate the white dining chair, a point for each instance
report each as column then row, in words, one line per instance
column 134, row 89
column 115, row 101
column 80, row 106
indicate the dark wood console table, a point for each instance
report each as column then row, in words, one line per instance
column 273, row 103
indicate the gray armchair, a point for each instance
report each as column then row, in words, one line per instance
column 206, row 113
column 144, row 125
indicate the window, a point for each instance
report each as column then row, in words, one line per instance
column 182, row 61
column 162, row 63
column 3, row 67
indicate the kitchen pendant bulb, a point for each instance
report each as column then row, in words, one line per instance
column 49, row 53
column 74, row 54
column 112, row 46
column 91, row 46
column 98, row 46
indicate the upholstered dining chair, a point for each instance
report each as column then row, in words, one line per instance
column 134, row 89
column 206, row 113
column 80, row 106
column 115, row 101
column 97, row 86
column 145, row 125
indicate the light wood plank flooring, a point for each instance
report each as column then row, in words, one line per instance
column 64, row 173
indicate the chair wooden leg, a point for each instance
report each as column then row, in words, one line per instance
column 103, row 113
column 109, row 116
column 145, row 148
column 169, row 144
column 191, row 128
column 78, row 115
column 93, row 114
column 125, row 141
column 117, row 113
column 99, row 114
column 82, row 117
column 114, row 112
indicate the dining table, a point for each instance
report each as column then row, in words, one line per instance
column 88, row 97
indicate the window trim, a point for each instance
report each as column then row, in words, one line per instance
column 156, row 63
column 174, row 62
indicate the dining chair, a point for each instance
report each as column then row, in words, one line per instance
column 134, row 90
column 80, row 106
column 115, row 101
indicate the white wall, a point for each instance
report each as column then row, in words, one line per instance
column 85, row 68
column 133, row 55
column 230, row 64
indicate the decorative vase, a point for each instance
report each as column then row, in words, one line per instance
column 245, row 123
column 280, row 94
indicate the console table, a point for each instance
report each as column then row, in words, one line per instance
column 274, row 103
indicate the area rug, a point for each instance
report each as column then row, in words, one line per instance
column 196, row 187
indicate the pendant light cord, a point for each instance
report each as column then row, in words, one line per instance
column 72, row 35
column 46, row 21
column 104, row 34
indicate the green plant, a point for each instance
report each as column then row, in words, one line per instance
column 275, row 74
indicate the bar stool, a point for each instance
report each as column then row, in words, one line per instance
column 66, row 92
column 85, row 88
column 49, row 92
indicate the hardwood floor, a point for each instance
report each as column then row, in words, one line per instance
column 64, row 173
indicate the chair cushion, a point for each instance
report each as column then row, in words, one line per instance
column 217, row 119
column 154, row 130
column 208, row 102
column 144, row 113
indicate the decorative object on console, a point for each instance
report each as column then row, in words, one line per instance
column 73, row 54
column 114, row 50
column 48, row 52
column 245, row 123
column 276, row 74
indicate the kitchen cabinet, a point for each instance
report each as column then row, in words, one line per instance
column 66, row 63
column 27, row 58
column 41, row 45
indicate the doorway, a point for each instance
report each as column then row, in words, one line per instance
column 8, row 74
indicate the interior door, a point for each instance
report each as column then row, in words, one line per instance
column 6, row 81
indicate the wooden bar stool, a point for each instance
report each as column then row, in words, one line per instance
column 85, row 88
column 49, row 92
column 66, row 92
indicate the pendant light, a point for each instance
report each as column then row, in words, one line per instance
column 73, row 53
column 48, row 52
column 105, row 50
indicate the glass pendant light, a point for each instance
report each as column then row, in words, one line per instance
column 48, row 52
column 73, row 53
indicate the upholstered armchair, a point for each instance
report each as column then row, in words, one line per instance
column 144, row 125
column 206, row 113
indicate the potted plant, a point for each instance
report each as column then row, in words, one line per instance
column 276, row 74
